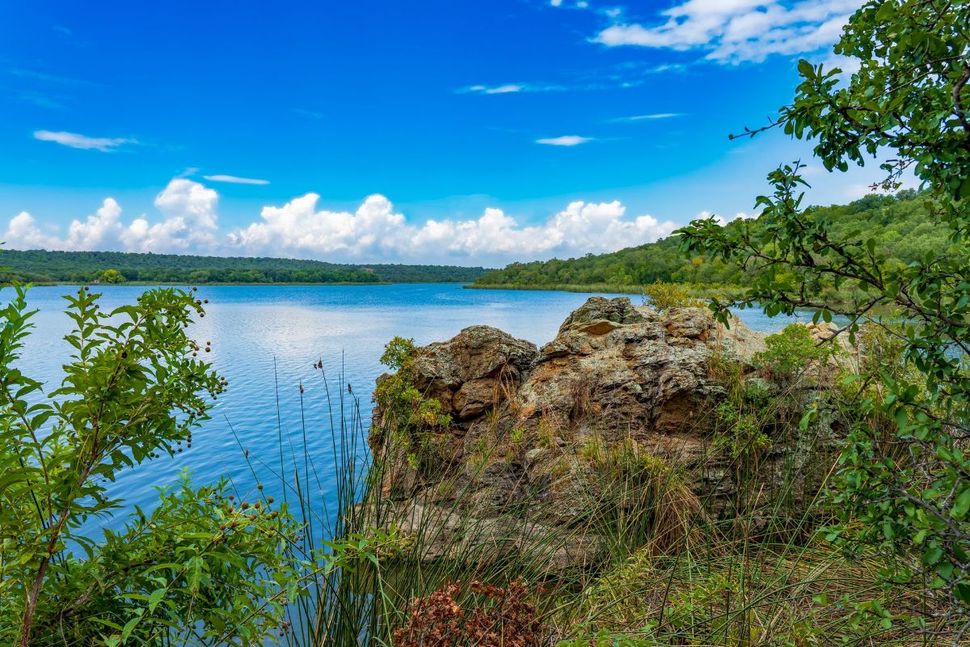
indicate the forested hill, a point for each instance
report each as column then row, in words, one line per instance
column 119, row 267
column 900, row 225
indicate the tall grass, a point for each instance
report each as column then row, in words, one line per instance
column 664, row 570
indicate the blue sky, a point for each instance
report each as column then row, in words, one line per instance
column 438, row 131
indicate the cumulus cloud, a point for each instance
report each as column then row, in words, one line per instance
column 190, row 221
column 298, row 228
column 23, row 233
column 579, row 228
column 564, row 140
column 75, row 140
column 377, row 231
column 99, row 231
column 235, row 179
column 187, row 222
column 733, row 31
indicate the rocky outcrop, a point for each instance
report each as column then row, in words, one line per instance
column 537, row 435
column 474, row 371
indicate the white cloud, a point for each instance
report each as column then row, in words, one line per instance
column 509, row 88
column 649, row 117
column 733, row 31
column 297, row 228
column 564, row 140
column 578, row 4
column 101, row 230
column 189, row 223
column 235, row 179
column 190, row 220
column 23, row 233
column 75, row 140
column 374, row 232
column 580, row 228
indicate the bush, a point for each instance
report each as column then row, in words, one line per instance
column 409, row 418
column 133, row 390
column 791, row 351
column 664, row 296
column 111, row 276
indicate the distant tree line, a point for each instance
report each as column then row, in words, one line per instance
column 899, row 224
column 41, row 266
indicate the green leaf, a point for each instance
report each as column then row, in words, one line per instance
column 964, row 190
column 155, row 597
column 962, row 592
column 961, row 505
column 130, row 627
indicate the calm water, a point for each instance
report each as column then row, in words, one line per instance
column 265, row 340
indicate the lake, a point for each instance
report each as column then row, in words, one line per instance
column 265, row 340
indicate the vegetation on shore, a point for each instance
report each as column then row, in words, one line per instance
column 202, row 567
column 40, row 266
column 901, row 227
column 880, row 556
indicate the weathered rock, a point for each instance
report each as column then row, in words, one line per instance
column 600, row 309
column 525, row 421
column 473, row 372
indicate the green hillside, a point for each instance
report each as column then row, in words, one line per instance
column 42, row 266
column 899, row 224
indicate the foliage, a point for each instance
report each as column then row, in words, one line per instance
column 197, row 566
column 672, row 572
column 641, row 499
column 741, row 435
column 496, row 616
column 795, row 596
column 900, row 226
column 664, row 296
column 789, row 352
column 83, row 267
column 408, row 416
column 133, row 390
column 111, row 276
column 905, row 492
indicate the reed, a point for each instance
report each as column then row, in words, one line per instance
column 667, row 572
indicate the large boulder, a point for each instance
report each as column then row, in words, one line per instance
column 470, row 373
column 530, row 427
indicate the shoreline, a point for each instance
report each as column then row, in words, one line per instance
column 697, row 291
column 242, row 284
